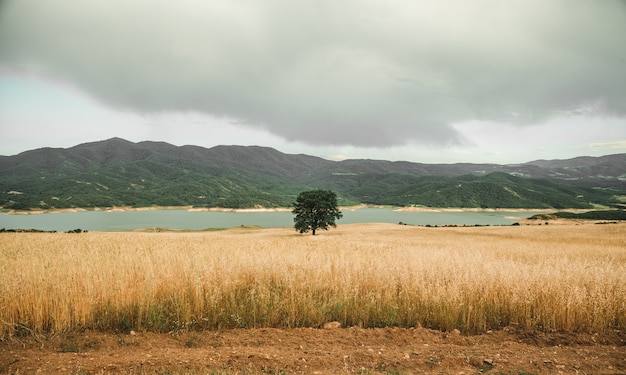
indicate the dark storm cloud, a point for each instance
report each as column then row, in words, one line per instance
column 367, row 73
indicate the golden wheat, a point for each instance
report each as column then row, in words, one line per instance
column 473, row 279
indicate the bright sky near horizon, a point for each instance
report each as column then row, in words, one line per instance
column 500, row 81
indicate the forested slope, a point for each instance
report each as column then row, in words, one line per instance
column 117, row 172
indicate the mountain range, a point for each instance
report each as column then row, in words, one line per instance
column 117, row 172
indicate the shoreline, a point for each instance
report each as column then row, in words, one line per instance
column 287, row 209
column 476, row 209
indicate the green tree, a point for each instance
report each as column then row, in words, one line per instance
column 315, row 209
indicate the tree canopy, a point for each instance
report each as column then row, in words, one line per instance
column 315, row 209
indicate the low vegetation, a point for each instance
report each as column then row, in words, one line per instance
column 542, row 278
column 589, row 215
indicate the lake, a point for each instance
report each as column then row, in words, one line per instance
column 196, row 220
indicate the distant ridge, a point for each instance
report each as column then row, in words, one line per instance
column 120, row 172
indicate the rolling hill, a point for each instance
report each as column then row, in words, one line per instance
column 117, row 172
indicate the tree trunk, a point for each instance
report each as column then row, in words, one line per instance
column 314, row 232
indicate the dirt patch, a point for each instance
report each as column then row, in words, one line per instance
column 317, row 351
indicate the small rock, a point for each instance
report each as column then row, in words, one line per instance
column 488, row 361
column 133, row 333
column 331, row 325
column 475, row 362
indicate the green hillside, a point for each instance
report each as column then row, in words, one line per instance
column 121, row 173
column 146, row 183
column 495, row 190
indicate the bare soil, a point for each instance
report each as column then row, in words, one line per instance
column 317, row 351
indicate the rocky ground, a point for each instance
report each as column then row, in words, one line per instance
column 317, row 351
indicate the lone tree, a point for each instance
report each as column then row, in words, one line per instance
column 315, row 209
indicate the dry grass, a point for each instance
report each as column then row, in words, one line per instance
column 474, row 279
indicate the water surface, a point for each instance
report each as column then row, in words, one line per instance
column 195, row 220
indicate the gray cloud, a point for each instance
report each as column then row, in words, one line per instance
column 366, row 73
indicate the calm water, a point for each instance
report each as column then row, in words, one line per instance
column 183, row 219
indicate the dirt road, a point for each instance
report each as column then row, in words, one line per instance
column 317, row 351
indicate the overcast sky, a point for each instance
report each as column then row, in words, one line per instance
column 427, row 81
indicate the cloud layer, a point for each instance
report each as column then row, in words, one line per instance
column 364, row 73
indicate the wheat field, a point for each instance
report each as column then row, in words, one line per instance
column 558, row 277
